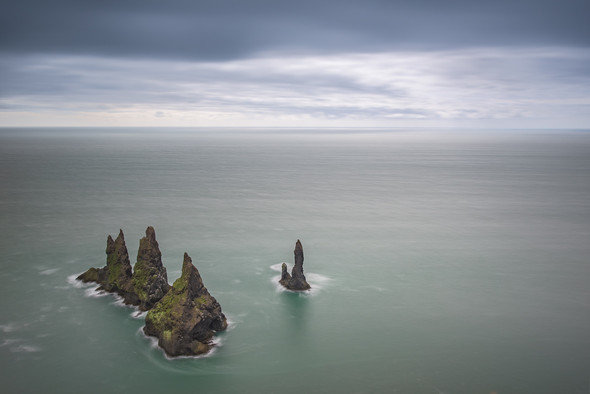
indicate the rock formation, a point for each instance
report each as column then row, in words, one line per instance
column 116, row 276
column 295, row 281
column 150, row 281
column 185, row 319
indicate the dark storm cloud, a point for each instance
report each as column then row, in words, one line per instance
column 232, row 29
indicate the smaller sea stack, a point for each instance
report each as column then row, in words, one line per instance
column 296, row 281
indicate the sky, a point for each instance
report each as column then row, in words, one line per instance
column 304, row 63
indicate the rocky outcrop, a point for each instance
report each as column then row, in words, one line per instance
column 296, row 281
column 183, row 317
column 186, row 318
column 146, row 285
column 150, row 281
column 116, row 276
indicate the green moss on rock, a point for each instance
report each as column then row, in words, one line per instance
column 115, row 277
column 149, row 281
column 185, row 319
column 92, row 275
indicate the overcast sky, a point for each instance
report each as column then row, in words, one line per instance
column 457, row 63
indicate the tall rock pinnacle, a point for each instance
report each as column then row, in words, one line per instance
column 185, row 320
column 118, row 265
column 295, row 281
column 115, row 277
column 150, row 280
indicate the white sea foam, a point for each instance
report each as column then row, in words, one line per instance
column 119, row 301
column 20, row 348
column 277, row 267
column 137, row 314
column 216, row 341
column 8, row 327
column 49, row 271
column 231, row 322
column 93, row 292
column 8, row 342
column 316, row 281
column 317, row 278
column 25, row 349
column 78, row 283
column 152, row 340
column 278, row 287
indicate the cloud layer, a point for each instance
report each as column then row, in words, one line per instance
column 232, row 29
column 261, row 62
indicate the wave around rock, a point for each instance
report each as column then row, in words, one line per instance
column 296, row 280
column 183, row 317
column 186, row 318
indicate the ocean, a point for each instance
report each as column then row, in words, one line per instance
column 441, row 261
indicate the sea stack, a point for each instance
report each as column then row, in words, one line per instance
column 186, row 318
column 116, row 276
column 150, row 281
column 296, row 281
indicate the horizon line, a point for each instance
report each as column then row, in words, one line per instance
column 300, row 127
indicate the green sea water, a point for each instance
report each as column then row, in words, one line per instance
column 441, row 261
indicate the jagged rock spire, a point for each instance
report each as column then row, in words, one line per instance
column 192, row 278
column 150, row 280
column 184, row 316
column 116, row 276
column 118, row 265
column 185, row 320
column 295, row 281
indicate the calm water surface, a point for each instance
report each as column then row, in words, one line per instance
column 441, row 261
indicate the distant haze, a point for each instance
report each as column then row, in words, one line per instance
column 307, row 63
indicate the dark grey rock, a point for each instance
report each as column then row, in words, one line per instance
column 296, row 281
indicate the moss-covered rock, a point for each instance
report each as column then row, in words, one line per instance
column 186, row 318
column 116, row 276
column 93, row 275
column 149, row 281
column 183, row 317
